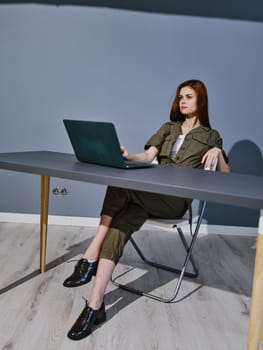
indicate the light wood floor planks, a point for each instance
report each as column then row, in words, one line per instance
column 37, row 311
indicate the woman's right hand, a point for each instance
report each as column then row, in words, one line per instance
column 124, row 152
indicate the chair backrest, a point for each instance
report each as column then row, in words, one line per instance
column 202, row 203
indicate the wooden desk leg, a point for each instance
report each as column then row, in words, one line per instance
column 256, row 308
column 45, row 182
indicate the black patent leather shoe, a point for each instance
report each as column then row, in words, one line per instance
column 86, row 322
column 82, row 274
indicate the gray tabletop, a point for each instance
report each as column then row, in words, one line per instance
column 234, row 189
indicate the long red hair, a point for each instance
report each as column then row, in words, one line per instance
column 202, row 102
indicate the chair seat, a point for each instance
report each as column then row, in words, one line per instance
column 171, row 223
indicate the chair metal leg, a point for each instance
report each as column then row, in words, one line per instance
column 181, row 272
column 165, row 267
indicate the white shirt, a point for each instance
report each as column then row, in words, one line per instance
column 176, row 146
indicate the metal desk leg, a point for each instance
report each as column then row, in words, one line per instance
column 45, row 182
column 256, row 308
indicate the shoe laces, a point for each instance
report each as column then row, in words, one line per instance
column 81, row 264
column 83, row 313
column 86, row 302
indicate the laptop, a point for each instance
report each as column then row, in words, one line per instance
column 97, row 143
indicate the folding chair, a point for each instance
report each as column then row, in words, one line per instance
column 175, row 226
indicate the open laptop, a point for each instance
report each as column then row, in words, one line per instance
column 97, row 142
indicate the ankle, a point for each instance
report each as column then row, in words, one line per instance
column 95, row 303
column 90, row 260
column 91, row 257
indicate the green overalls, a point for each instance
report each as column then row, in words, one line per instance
column 130, row 209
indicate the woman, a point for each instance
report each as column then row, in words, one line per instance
column 187, row 140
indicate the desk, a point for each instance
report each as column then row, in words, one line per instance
column 233, row 189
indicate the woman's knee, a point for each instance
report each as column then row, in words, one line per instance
column 114, row 201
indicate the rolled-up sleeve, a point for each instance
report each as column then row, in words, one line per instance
column 158, row 138
column 216, row 141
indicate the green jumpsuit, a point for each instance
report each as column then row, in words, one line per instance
column 129, row 209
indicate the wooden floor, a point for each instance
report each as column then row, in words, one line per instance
column 37, row 311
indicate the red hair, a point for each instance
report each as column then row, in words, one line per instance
column 202, row 102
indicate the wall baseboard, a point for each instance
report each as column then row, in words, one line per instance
column 52, row 219
column 93, row 222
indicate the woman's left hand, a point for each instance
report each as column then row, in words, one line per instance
column 210, row 157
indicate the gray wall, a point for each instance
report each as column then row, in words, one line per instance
column 120, row 66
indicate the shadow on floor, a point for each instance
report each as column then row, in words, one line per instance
column 73, row 251
column 224, row 262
